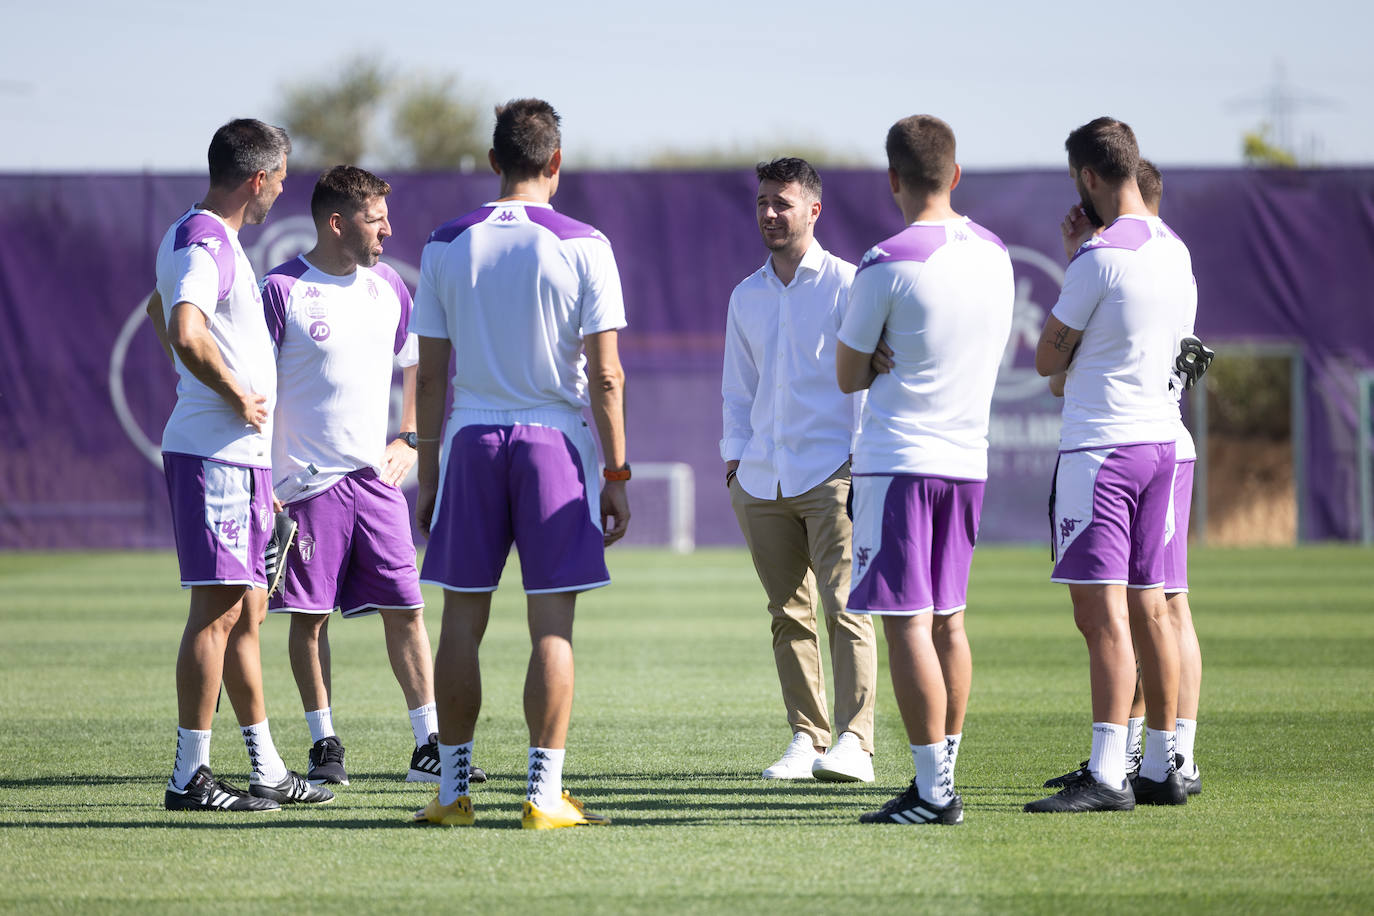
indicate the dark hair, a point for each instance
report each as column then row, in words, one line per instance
column 526, row 137
column 920, row 149
column 344, row 189
column 788, row 169
column 1107, row 146
column 244, row 147
column 1151, row 183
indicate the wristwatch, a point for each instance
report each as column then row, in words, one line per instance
column 410, row 439
column 620, row 474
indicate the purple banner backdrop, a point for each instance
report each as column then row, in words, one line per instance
column 84, row 390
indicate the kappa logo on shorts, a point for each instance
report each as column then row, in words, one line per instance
column 861, row 554
column 306, row 545
column 264, row 518
column 1066, row 527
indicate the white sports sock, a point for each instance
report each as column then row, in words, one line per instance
column 545, row 786
column 1134, row 732
column 267, row 763
column 1108, row 760
column 1159, row 754
column 193, row 752
column 424, row 722
column 933, row 778
column 952, row 743
column 455, row 766
column 1185, row 736
column 321, row 722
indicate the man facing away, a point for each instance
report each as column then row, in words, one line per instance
column 1151, row 184
column 215, row 453
column 940, row 294
column 1128, row 294
column 788, row 435
column 337, row 317
column 531, row 302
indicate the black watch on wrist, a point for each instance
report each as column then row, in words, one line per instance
column 410, row 439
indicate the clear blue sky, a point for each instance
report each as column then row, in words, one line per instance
column 115, row 87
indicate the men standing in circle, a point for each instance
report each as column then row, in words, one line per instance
column 1116, row 328
column 530, row 300
column 337, row 317
column 215, row 453
column 940, row 294
column 1151, row 184
column 788, row 436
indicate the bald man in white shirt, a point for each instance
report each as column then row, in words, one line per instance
column 788, row 436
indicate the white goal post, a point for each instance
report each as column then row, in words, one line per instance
column 682, row 523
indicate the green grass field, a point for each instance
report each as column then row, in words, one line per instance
column 677, row 711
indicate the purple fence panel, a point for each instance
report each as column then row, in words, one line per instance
column 84, row 388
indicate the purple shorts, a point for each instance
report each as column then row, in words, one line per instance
column 520, row 484
column 1176, row 538
column 221, row 520
column 1111, row 510
column 353, row 551
column 913, row 543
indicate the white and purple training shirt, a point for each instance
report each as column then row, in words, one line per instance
column 201, row 262
column 1130, row 290
column 515, row 286
column 940, row 293
column 337, row 341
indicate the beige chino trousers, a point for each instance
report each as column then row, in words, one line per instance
column 801, row 546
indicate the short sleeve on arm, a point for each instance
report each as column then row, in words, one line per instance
column 1083, row 290
column 201, row 278
column 603, row 303
column 274, row 296
column 427, row 317
column 869, row 305
column 409, row 354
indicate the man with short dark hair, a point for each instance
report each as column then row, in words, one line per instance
column 337, row 316
column 940, row 294
column 1151, row 184
column 215, row 453
column 788, row 434
column 531, row 302
column 1116, row 328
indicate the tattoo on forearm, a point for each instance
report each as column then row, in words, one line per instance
column 1060, row 341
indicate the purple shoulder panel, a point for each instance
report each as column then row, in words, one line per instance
column 1124, row 234
column 393, row 279
column 565, row 227
column 203, row 230
column 914, row 243
column 276, row 290
column 454, row 228
column 987, row 234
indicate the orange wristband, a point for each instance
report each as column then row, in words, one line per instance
column 621, row 474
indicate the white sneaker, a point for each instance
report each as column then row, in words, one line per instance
column 847, row 761
column 797, row 761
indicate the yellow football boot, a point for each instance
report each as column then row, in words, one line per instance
column 567, row 812
column 458, row 814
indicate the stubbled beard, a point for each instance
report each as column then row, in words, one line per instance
column 1089, row 210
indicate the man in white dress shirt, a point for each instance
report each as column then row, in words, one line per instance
column 788, row 436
